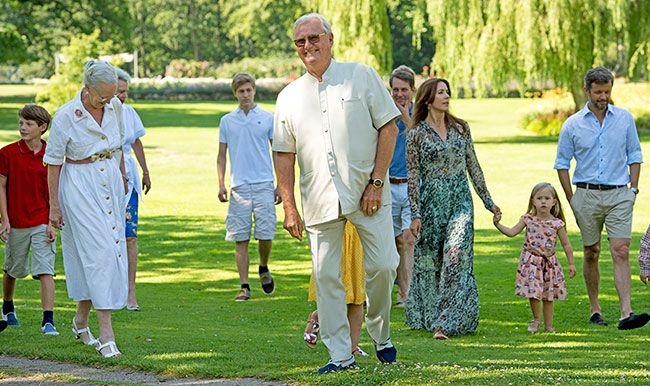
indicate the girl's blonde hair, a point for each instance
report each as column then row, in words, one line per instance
column 556, row 210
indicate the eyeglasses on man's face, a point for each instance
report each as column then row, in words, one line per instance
column 313, row 39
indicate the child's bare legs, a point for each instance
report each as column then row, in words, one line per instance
column 548, row 315
column 8, row 286
column 355, row 319
column 241, row 256
column 47, row 292
column 535, row 308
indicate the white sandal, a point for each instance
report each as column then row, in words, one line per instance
column 78, row 331
column 113, row 351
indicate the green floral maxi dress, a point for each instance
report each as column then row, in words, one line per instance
column 443, row 293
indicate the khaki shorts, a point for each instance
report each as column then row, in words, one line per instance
column 248, row 201
column 17, row 252
column 593, row 208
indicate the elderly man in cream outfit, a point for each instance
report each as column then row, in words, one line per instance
column 338, row 121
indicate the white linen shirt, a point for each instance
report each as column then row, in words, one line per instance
column 248, row 138
column 133, row 129
column 76, row 135
column 333, row 128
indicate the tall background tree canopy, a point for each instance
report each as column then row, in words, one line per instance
column 479, row 44
column 492, row 42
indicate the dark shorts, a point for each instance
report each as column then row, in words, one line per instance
column 131, row 228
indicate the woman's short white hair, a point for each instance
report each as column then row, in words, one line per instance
column 123, row 75
column 98, row 71
column 305, row 18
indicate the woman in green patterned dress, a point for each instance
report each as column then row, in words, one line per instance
column 443, row 297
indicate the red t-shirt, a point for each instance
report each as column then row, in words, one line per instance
column 28, row 201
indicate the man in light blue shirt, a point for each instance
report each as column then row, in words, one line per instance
column 604, row 142
column 402, row 85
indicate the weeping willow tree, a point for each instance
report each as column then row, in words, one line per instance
column 493, row 42
column 361, row 31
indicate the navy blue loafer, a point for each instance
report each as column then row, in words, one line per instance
column 387, row 354
column 333, row 368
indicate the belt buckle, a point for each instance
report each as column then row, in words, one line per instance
column 94, row 157
column 108, row 155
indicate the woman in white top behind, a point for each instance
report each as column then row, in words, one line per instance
column 133, row 130
column 87, row 202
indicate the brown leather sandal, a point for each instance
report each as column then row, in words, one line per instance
column 311, row 330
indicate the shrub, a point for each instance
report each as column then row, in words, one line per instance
column 548, row 113
column 183, row 68
column 278, row 67
column 198, row 89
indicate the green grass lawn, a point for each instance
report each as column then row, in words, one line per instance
column 190, row 324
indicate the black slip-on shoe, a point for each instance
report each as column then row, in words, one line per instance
column 633, row 321
column 597, row 318
column 268, row 285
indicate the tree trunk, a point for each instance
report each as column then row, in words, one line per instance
column 578, row 94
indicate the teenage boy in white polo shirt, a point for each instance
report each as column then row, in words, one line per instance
column 246, row 134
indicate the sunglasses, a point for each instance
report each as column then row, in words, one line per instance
column 313, row 39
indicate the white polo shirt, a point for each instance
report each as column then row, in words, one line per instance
column 248, row 138
column 133, row 129
column 333, row 128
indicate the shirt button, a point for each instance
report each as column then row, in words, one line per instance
column 324, row 111
column 110, row 212
column 113, row 228
column 101, row 170
column 117, row 241
column 108, row 197
column 103, row 137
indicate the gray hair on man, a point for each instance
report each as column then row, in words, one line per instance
column 599, row 75
column 305, row 18
column 123, row 75
column 98, row 71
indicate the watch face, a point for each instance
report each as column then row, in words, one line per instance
column 378, row 183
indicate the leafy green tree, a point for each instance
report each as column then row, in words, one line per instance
column 68, row 79
column 47, row 26
column 492, row 42
column 361, row 31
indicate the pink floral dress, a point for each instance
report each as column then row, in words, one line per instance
column 539, row 274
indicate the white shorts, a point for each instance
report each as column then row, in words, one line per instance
column 401, row 208
column 248, row 201
column 17, row 252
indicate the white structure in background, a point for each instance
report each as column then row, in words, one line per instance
column 124, row 57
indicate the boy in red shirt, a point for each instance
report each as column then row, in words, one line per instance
column 24, row 215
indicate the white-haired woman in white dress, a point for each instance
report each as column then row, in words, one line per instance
column 87, row 202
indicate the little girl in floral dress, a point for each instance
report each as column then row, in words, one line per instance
column 539, row 275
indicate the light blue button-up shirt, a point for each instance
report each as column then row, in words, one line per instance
column 602, row 154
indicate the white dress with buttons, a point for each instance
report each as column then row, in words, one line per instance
column 93, row 204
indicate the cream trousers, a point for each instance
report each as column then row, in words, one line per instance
column 380, row 263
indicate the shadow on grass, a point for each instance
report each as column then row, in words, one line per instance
column 190, row 324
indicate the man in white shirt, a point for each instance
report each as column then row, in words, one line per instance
column 245, row 135
column 337, row 120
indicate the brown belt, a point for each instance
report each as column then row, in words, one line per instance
column 91, row 159
column 398, row 180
